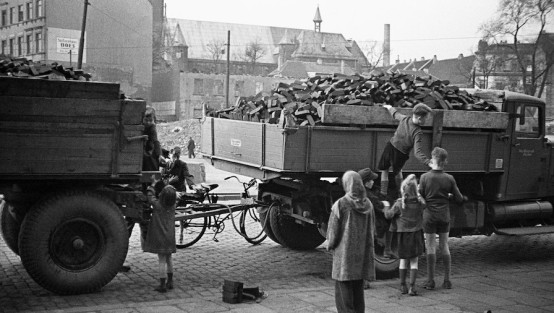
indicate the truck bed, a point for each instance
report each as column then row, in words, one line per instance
column 266, row 151
column 67, row 129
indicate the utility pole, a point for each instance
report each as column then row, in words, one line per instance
column 228, row 68
column 82, row 40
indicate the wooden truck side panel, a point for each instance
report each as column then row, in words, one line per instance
column 63, row 135
column 332, row 150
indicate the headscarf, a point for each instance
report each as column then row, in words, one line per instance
column 355, row 194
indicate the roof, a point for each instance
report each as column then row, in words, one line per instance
column 197, row 34
column 300, row 69
column 317, row 17
column 457, row 71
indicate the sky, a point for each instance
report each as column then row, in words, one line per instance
column 419, row 28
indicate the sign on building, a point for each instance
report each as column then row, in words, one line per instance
column 65, row 45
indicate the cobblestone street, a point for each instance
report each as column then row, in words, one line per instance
column 482, row 266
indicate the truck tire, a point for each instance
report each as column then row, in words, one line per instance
column 74, row 242
column 9, row 227
column 292, row 235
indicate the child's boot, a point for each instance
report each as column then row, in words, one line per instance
column 169, row 284
column 430, row 283
column 403, row 288
column 413, row 276
column 446, row 261
column 161, row 287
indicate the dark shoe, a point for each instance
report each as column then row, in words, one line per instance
column 161, row 289
column 412, row 291
column 403, row 289
column 447, row 284
column 429, row 285
column 169, row 285
column 124, row 268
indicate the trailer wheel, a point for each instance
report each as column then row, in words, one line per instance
column 385, row 268
column 265, row 220
column 74, row 242
column 293, row 235
column 9, row 227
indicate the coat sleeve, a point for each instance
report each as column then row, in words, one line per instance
column 418, row 148
column 393, row 210
column 334, row 230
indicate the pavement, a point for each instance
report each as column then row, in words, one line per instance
column 496, row 273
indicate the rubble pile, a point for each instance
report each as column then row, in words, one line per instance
column 303, row 99
column 28, row 69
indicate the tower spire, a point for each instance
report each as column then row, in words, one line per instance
column 317, row 21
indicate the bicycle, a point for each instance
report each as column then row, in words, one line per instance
column 194, row 216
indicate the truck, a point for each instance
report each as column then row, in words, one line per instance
column 501, row 160
column 70, row 158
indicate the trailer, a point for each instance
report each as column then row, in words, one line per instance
column 69, row 152
column 500, row 160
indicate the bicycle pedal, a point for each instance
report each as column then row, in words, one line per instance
column 216, row 240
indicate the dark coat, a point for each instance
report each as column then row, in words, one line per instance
column 160, row 237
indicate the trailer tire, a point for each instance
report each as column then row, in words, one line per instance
column 9, row 227
column 74, row 242
column 292, row 235
column 385, row 268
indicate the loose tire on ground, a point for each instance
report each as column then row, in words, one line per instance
column 251, row 226
column 9, row 227
column 74, row 242
column 293, row 235
column 265, row 221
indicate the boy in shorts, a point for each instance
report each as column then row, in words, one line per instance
column 437, row 187
column 408, row 136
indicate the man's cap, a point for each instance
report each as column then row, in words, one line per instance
column 177, row 150
column 367, row 174
column 422, row 109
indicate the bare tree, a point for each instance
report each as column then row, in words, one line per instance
column 216, row 48
column 252, row 53
column 486, row 62
column 374, row 54
column 515, row 19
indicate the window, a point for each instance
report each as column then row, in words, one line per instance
column 198, row 87
column 4, row 47
column 11, row 46
column 39, row 8
column 20, row 46
column 29, row 41
column 20, row 13
column 38, row 42
column 527, row 123
column 4, row 17
column 218, row 87
column 12, row 14
column 30, row 11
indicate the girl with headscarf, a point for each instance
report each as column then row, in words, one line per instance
column 350, row 237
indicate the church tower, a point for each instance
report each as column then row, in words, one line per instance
column 317, row 21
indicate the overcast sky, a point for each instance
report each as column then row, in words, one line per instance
column 421, row 28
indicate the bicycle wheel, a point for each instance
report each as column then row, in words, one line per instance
column 188, row 232
column 251, row 227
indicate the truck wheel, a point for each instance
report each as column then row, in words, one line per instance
column 265, row 221
column 74, row 242
column 9, row 227
column 385, row 268
column 293, row 235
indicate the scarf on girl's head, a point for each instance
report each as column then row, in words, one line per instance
column 355, row 192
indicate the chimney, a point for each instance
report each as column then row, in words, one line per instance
column 460, row 56
column 386, row 46
column 435, row 60
column 422, row 58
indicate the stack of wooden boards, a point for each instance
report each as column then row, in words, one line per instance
column 306, row 100
column 68, row 128
column 22, row 67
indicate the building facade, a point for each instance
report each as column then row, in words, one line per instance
column 118, row 37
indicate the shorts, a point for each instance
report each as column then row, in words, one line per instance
column 392, row 157
column 435, row 227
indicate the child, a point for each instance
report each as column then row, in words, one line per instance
column 160, row 238
column 350, row 237
column 152, row 147
column 408, row 231
column 178, row 171
column 407, row 136
column 436, row 186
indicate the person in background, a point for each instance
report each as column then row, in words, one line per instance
column 178, row 172
column 379, row 204
column 406, row 137
column 151, row 157
column 350, row 237
column 190, row 147
column 437, row 187
column 160, row 238
column 408, row 231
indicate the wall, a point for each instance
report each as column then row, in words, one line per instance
column 198, row 88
